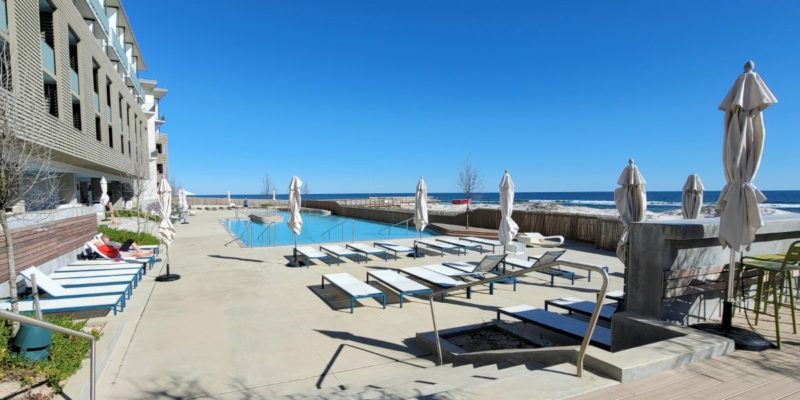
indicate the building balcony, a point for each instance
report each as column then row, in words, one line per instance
column 74, row 83
column 127, row 69
column 99, row 13
column 3, row 17
column 48, row 59
column 96, row 102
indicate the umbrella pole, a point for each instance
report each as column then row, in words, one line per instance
column 168, row 277
column 294, row 263
column 727, row 306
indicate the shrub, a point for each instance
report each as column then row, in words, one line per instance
column 121, row 236
column 135, row 213
column 66, row 355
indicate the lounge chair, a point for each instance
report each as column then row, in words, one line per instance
column 95, row 274
column 463, row 244
column 483, row 242
column 91, row 248
column 439, row 246
column 395, row 248
column 616, row 295
column 54, row 289
column 127, row 267
column 558, row 323
column 98, row 281
column 565, row 274
column 544, row 259
column 447, row 271
column 72, row 304
column 310, row 253
column 583, row 307
column 398, row 283
column 339, row 252
column 366, row 250
column 435, row 279
column 490, row 264
column 155, row 248
column 353, row 287
column 534, row 239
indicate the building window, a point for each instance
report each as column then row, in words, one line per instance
column 160, row 168
column 110, row 137
column 76, row 115
column 5, row 64
column 122, row 143
column 47, row 39
column 158, row 148
column 98, row 130
column 130, row 154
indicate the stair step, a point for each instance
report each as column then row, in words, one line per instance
column 480, row 375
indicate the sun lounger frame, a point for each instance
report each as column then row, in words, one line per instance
column 482, row 242
column 404, row 270
column 396, row 289
column 354, row 297
column 383, row 245
column 118, row 305
column 308, row 258
column 366, row 253
column 439, row 247
column 462, row 244
column 324, row 248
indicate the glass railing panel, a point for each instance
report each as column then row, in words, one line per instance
column 3, row 16
column 100, row 13
column 48, row 58
column 74, row 83
column 108, row 112
column 96, row 102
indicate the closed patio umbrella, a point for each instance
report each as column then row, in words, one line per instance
column 229, row 197
column 420, row 211
column 166, row 232
column 295, row 219
column 104, row 199
column 692, row 199
column 631, row 201
column 743, row 143
column 508, row 228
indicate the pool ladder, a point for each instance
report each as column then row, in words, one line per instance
column 389, row 228
column 340, row 224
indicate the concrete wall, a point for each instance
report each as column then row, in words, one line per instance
column 662, row 246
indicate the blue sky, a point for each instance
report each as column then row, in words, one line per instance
column 366, row 96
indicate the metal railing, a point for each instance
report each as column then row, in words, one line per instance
column 48, row 58
column 74, row 82
column 100, row 14
column 55, row 328
column 592, row 321
column 3, row 16
column 266, row 231
column 389, row 228
column 340, row 224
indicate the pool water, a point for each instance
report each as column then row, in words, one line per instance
column 318, row 228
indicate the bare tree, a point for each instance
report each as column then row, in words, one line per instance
column 134, row 190
column 469, row 181
column 26, row 176
column 267, row 187
column 305, row 190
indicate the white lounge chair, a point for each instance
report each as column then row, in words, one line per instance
column 155, row 248
column 310, row 253
column 395, row 248
column 484, row 242
column 94, row 274
column 461, row 243
column 366, row 250
column 54, row 289
column 127, row 267
column 149, row 260
column 339, row 252
column 398, row 283
column 561, row 324
column 583, row 307
column 353, row 287
column 99, row 281
column 447, row 271
column 490, row 264
column 537, row 239
column 436, row 279
column 72, row 304
column 439, row 246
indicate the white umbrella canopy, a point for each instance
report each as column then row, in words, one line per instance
column 273, row 195
column 182, row 199
column 295, row 219
column 631, row 201
column 742, row 146
column 508, row 228
column 166, row 231
column 421, row 206
column 229, row 197
column 692, row 198
column 104, row 199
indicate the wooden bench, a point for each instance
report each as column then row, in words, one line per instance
column 353, row 287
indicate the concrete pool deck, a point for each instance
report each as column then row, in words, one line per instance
column 240, row 324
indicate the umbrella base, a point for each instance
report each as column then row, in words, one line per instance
column 415, row 254
column 744, row 339
column 295, row 264
column 168, row 278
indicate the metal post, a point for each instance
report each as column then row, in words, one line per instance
column 436, row 332
column 354, row 230
column 727, row 306
column 35, row 289
column 93, row 372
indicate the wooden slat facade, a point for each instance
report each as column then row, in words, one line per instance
column 40, row 243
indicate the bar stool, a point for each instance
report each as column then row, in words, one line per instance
column 778, row 273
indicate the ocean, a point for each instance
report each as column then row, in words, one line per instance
column 787, row 200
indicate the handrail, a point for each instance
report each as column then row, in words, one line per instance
column 266, row 230
column 396, row 223
column 60, row 329
column 332, row 228
column 592, row 321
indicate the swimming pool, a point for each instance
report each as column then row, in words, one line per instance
column 318, row 228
